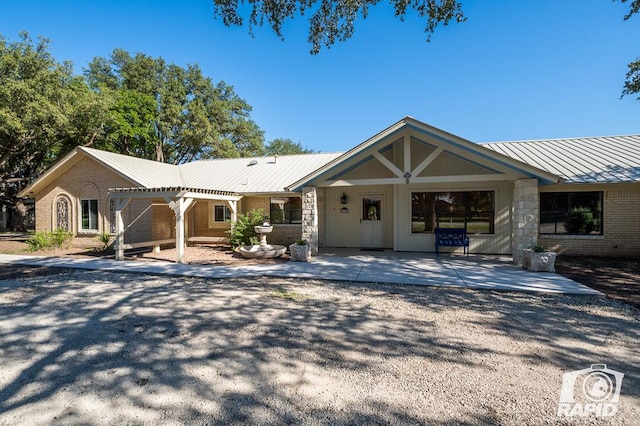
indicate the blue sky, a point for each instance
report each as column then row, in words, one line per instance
column 515, row 70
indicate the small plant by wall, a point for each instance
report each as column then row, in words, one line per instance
column 106, row 241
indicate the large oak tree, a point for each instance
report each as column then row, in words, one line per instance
column 44, row 112
column 136, row 105
column 169, row 113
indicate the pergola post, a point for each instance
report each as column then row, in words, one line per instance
column 179, row 208
column 233, row 205
column 121, row 203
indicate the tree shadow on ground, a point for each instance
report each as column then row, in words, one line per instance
column 281, row 351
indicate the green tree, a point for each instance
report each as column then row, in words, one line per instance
column 332, row 20
column 44, row 112
column 130, row 127
column 285, row 147
column 632, row 82
column 172, row 114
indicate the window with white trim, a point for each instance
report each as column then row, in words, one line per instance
column 221, row 213
column 89, row 215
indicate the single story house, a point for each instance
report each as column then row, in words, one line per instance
column 579, row 196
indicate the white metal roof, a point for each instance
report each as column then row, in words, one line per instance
column 608, row 159
column 145, row 173
column 241, row 175
column 252, row 175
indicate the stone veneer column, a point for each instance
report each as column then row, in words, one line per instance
column 310, row 217
column 526, row 216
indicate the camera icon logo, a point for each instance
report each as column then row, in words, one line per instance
column 590, row 391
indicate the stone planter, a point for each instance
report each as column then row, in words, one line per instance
column 299, row 252
column 539, row 261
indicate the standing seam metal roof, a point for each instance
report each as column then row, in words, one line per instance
column 235, row 175
column 608, row 159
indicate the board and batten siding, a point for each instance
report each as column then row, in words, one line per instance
column 497, row 243
column 343, row 229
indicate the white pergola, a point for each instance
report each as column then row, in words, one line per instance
column 178, row 199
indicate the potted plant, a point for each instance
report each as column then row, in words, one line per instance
column 539, row 258
column 300, row 251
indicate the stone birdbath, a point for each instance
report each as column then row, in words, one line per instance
column 262, row 250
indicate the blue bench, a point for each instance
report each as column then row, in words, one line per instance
column 452, row 237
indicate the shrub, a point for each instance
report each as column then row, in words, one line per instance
column 61, row 238
column 46, row 240
column 242, row 232
column 38, row 241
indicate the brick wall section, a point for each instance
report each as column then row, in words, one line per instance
column 199, row 218
column 526, row 214
column 163, row 225
column 621, row 220
column 89, row 179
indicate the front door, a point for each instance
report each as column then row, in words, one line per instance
column 371, row 229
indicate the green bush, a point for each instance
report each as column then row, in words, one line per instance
column 46, row 240
column 38, row 241
column 242, row 232
column 61, row 238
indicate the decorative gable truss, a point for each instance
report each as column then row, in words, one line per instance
column 416, row 159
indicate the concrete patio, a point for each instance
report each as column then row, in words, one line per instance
column 474, row 271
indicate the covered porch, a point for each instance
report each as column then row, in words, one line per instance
column 393, row 190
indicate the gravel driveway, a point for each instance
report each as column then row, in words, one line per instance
column 92, row 347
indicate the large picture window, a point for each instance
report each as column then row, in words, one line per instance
column 89, row 215
column 286, row 210
column 573, row 213
column 472, row 210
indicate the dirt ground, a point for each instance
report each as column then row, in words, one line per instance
column 103, row 348
column 618, row 278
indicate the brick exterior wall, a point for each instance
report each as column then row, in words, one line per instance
column 201, row 222
column 89, row 179
column 621, row 220
column 163, row 225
